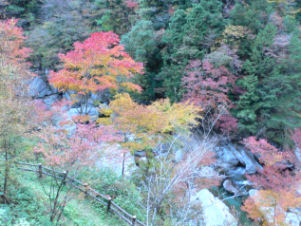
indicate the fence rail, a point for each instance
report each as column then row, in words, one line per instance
column 105, row 200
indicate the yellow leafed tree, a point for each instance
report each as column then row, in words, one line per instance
column 151, row 123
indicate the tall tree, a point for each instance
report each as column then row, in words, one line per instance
column 142, row 43
column 150, row 124
column 97, row 64
column 15, row 109
column 270, row 105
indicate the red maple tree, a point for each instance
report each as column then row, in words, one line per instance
column 97, row 64
column 208, row 87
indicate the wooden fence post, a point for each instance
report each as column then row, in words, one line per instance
column 134, row 220
column 40, row 171
column 109, row 203
column 86, row 189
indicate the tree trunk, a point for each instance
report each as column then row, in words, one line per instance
column 6, row 174
column 123, row 163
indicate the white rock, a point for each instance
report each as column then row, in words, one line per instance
column 292, row 219
column 214, row 211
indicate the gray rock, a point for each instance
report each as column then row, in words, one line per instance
column 252, row 192
column 214, row 211
column 139, row 154
column 247, row 159
column 230, row 187
column 227, row 156
column 72, row 112
column 237, row 173
column 38, row 88
column 231, row 156
column 50, row 100
column 298, row 155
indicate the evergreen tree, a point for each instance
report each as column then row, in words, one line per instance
column 254, row 16
column 28, row 11
column 142, row 45
column 156, row 11
column 271, row 102
column 190, row 35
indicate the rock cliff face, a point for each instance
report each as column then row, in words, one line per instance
column 39, row 88
column 234, row 162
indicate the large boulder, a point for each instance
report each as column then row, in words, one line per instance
column 39, row 88
column 50, row 100
column 214, row 211
column 226, row 157
column 230, row 156
column 230, row 187
column 293, row 218
column 247, row 159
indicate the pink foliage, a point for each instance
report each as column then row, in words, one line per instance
column 274, row 175
column 12, row 36
column 65, row 149
column 12, row 47
column 208, row 87
column 269, row 154
column 227, row 123
column 131, row 4
column 277, row 183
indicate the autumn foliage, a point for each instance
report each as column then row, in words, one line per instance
column 97, row 64
column 71, row 143
column 12, row 39
column 13, row 53
column 15, row 108
column 131, row 4
column 277, row 184
column 208, row 87
column 150, row 123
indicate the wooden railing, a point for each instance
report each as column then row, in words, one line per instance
column 105, row 200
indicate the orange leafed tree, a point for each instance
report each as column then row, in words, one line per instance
column 13, row 54
column 15, row 109
column 277, row 184
column 97, row 64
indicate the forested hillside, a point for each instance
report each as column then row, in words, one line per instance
column 180, row 112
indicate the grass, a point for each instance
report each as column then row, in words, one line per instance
column 30, row 207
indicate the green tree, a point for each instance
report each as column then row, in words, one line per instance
column 190, row 35
column 15, row 110
column 270, row 105
column 254, row 16
column 155, row 11
column 141, row 43
column 27, row 11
